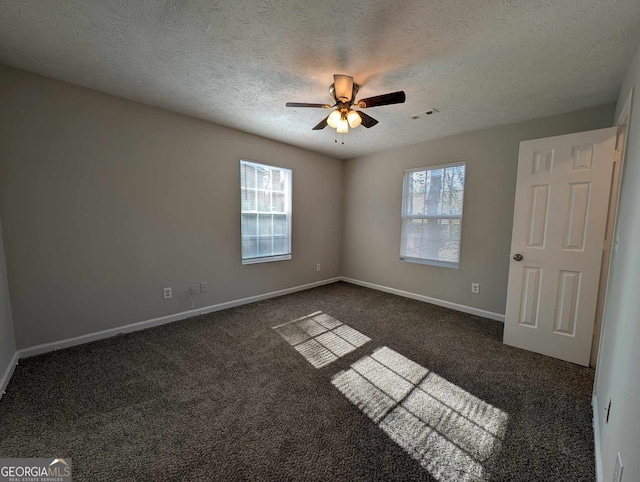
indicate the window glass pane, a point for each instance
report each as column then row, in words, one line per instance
column 280, row 245
column 248, row 199
column 416, row 204
column 266, row 210
column 249, row 248
column 417, row 187
column 279, row 224
column 418, row 181
column 278, row 179
column 278, row 202
column 264, row 225
column 247, row 175
column 264, row 201
column 264, row 178
column 264, row 246
column 249, row 225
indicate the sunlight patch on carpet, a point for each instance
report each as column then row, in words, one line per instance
column 450, row 432
column 320, row 338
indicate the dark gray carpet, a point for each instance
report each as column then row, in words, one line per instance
column 225, row 397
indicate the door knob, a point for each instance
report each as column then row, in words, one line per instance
column 517, row 257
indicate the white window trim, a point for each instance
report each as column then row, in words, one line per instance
column 266, row 259
column 289, row 211
column 405, row 194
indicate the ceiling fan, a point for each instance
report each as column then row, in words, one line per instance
column 343, row 91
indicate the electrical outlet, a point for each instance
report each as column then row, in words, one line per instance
column 318, row 267
column 617, row 473
column 193, row 289
column 475, row 287
column 203, row 287
column 167, row 293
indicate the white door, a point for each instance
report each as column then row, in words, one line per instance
column 560, row 215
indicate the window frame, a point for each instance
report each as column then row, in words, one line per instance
column 288, row 195
column 404, row 216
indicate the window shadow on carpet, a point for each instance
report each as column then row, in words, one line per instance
column 451, row 433
column 320, row 338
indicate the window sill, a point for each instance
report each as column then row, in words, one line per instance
column 266, row 259
column 431, row 262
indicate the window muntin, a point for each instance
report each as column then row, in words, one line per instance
column 265, row 194
column 432, row 214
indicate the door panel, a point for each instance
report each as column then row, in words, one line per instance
column 567, row 302
column 539, row 212
column 560, row 214
column 530, row 302
column 575, row 227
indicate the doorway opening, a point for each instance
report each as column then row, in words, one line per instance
column 611, row 234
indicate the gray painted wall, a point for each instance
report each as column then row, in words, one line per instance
column 7, row 341
column 373, row 201
column 618, row 374
column 105, row 202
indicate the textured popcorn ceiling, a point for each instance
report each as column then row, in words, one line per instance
column 236, row 63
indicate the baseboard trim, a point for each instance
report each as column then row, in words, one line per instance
column 596, row 438
column 8, row 373
column 141, row 325
column 427, row 299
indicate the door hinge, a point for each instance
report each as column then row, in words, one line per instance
column 617, row 157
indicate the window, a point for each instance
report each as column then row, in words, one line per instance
column 432, row 214
column 266, row 212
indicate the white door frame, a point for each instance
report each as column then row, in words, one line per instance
column 624, row 116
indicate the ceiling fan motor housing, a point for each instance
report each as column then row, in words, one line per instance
column 343, row 89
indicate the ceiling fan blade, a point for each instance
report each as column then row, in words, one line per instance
column 384, row 99
column 343, row 86
column 321, row 125
column 304, row 104
column 367, row 120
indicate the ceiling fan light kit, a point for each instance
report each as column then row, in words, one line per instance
column 334, row 118
column 344, row 91
column 342, row 119
column 354, row 119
